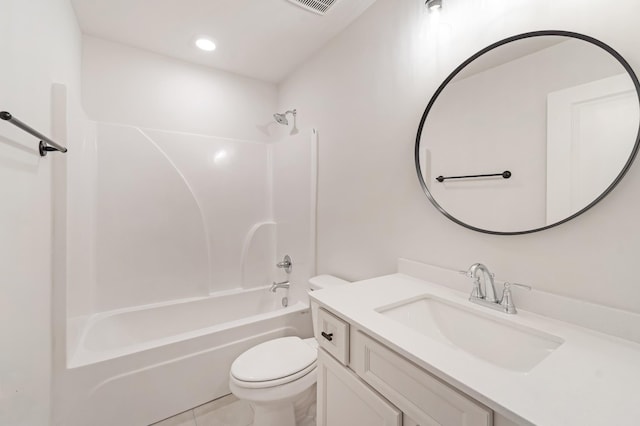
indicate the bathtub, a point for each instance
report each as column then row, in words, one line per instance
column 136, row 366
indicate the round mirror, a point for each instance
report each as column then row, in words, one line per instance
column 529, row 132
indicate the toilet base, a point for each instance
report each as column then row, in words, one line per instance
column 270, row 414
column 298, row 412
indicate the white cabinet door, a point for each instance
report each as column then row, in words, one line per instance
column 408, row 421
column 344, row 400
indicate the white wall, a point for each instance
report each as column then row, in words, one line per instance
column 125, row 85
column 366, row 91
column 40, row 46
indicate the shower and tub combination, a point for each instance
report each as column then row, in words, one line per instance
column 173, row 281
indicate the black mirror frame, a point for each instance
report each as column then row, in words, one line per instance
column 455, row 72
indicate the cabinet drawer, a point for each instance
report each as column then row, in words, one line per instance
column 426, row 400
column 334, row 335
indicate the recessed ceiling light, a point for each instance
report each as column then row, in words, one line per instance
column 205, row 44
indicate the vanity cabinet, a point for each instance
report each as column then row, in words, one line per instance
column 420, row 395
column 344, row 400
column 374, row 385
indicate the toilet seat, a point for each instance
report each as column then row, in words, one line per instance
column 274, row 363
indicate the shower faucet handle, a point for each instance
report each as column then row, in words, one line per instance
column 286, row 264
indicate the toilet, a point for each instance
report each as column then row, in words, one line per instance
column 278, row 377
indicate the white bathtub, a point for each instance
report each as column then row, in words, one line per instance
column 138, row 366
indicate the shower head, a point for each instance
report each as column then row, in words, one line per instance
column 282, row 118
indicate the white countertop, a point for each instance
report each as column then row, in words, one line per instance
column 591, row 379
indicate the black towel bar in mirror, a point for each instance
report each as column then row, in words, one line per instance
column 506, row 174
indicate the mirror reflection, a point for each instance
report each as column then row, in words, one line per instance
column 559, row 114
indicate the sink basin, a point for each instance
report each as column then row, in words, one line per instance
column 500, row 342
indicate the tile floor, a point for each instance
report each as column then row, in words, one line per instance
column 225, row 411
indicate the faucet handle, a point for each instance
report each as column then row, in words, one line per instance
column 286, row 264
column 507, row 297
column 508, row 285
column 476, row 293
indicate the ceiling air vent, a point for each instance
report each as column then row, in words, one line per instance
column 321, row 7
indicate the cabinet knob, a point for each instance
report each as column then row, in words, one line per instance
column 328, row 336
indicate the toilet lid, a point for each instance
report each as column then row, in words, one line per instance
column 273, row 360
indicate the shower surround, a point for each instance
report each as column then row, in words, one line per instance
column 170, row 266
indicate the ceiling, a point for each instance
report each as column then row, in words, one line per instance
column 263, row 39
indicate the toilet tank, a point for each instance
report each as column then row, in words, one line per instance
column 318, row 283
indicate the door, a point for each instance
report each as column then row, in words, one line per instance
column 591, row 131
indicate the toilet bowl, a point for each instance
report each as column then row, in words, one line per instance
column 278, row 377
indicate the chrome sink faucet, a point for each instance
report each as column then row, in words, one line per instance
column 489, row 292
column 486, row 296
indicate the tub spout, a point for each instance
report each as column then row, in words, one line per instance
column 275, row 285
